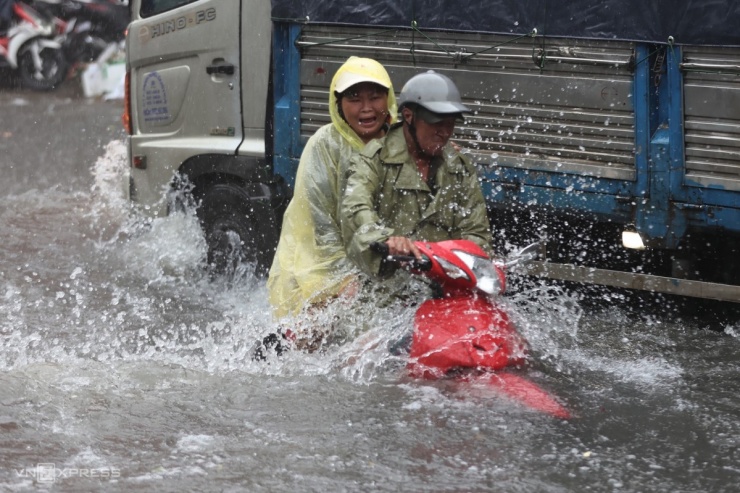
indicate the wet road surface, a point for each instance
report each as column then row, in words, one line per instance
column 53, row 139
column 124, row 368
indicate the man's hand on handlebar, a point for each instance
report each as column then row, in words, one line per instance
column 400, row 245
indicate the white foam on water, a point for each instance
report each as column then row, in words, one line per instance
column 196, row 443
column 732, row 330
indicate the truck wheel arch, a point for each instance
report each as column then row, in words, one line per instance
column 235, row 199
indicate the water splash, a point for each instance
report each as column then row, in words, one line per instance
column 733, row 331
column 134, row 289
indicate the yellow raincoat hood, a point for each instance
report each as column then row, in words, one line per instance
column 310, row 264
column 359, row 70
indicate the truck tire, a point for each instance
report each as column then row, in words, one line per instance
column 232, row 231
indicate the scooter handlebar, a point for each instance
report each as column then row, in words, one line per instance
column 409, row 261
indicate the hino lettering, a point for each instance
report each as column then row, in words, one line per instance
column 182, row 22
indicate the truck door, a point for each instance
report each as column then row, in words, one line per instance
column 184, row 63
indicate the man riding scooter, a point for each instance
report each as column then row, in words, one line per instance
column 414, row 184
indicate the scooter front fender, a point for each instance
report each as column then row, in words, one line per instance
column 20, row 42
column 469, row 332
column 15, row 45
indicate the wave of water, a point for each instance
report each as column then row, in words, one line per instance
column 125, row 287
column 106, row 284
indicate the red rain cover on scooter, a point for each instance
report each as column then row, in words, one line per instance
column 466, row 332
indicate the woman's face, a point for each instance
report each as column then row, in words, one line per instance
column 365, row 108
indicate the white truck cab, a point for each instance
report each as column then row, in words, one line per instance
column 198, row 85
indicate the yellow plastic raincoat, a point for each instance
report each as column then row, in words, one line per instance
column 310, row 263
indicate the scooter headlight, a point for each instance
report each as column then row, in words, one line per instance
column 452, row 271
column 486, row 277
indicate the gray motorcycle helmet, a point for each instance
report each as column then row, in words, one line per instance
column 434, row 92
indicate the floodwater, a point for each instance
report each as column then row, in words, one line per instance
column 124, row 368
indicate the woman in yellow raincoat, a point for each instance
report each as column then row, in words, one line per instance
column 310, row 264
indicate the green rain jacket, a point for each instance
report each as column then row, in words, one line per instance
column 385, row 196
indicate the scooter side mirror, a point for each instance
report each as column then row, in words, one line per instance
column 527, row 254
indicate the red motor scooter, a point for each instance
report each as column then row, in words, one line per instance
column 462, row 332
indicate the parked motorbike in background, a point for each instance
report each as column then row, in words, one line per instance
column 32, row 47
column 95, row 25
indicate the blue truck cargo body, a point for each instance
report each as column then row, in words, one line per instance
column 664, row 118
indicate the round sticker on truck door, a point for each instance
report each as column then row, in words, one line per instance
column 154, row 100
column 162, row 95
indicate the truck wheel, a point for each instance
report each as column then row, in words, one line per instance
column 231, row 232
